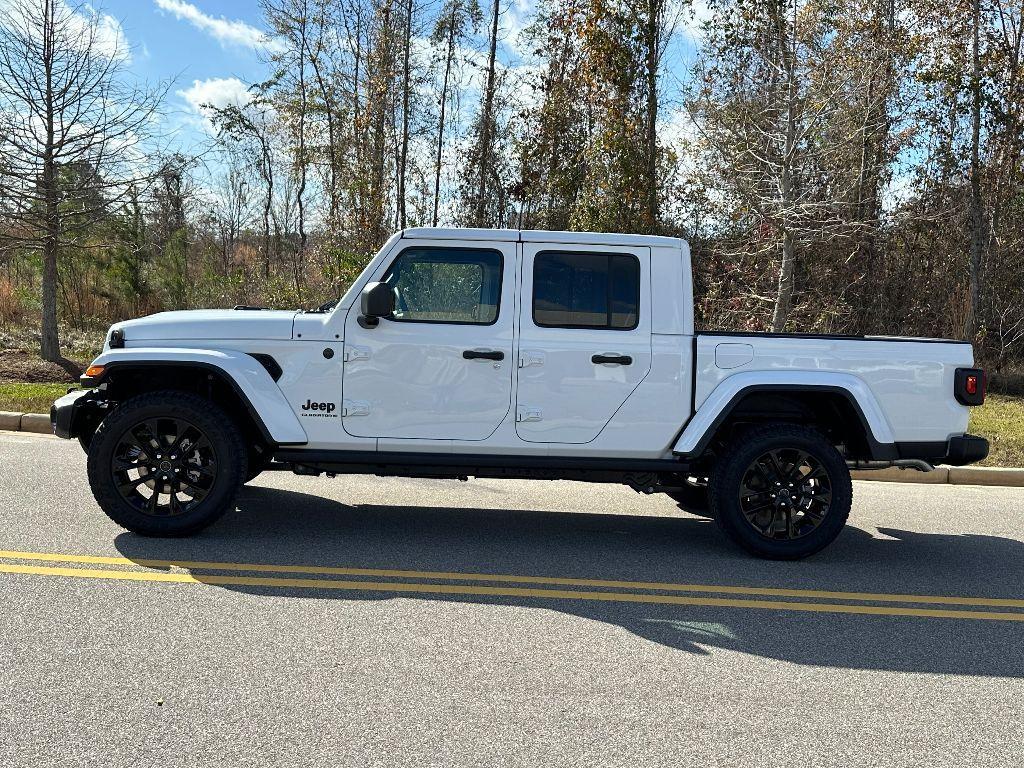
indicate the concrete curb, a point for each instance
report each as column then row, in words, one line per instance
column 10, row 421
column 36, row 422
column 938, row 476
column 1006, row 477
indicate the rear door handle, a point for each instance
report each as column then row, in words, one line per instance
column 616, row 359
column 483, row 354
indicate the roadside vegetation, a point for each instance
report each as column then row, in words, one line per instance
column 22, row 397
column 1001, row 420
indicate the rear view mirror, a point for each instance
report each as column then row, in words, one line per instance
column 376, row 301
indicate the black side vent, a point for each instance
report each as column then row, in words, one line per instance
column 272, row 366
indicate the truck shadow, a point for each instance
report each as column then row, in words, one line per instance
column 286, row 527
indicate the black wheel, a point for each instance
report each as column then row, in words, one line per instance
column 782, row 492
column 166, row 464
column 692, row 496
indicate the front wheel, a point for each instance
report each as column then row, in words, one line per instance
column 783, row 492
column 166, row 464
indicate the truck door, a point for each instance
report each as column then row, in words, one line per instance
column 441, row 367
column 585, row 338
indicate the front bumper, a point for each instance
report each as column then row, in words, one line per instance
column 67, row 413
column 957, row 451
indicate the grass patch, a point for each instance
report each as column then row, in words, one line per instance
column 29, row 398
column 1001, row 420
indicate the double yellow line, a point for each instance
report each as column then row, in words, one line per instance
column 433, row 582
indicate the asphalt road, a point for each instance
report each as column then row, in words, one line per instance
column 110, row 658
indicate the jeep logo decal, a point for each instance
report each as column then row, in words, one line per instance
column 325, row 409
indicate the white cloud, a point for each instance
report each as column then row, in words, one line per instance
column 110, row 35
column 79, row 23
column 217, row 92
column 225, row 31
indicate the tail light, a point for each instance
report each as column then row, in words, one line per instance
column 969, row 386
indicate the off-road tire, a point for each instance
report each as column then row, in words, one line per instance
column 727, row 482
column 224, row 441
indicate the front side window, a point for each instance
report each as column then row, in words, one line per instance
column 586, row 290
column 446, row 285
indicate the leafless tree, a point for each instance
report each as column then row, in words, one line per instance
column 65, row 102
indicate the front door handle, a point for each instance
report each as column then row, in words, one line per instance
column 616, row 359
column 483, row 354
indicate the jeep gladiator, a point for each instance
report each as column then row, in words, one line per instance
column 464, row 353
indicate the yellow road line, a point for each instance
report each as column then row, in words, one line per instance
column 989, row 602
column 457, row 589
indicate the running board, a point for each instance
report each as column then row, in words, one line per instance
column 454, row 465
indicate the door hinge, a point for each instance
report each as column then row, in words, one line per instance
column 526, row 413
column 528, row 357
column 356, row 353
column 355, row 408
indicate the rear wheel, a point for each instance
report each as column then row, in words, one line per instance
column 782, row 492
column 166, row 464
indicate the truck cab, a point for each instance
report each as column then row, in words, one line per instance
column 512, row 353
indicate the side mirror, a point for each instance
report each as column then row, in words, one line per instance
column 376, row 301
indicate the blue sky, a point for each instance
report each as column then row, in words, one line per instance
column 212, row 48
column 208, row 47
column 167, row 44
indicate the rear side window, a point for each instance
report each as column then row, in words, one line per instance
column 586, row 290
column 446, row 285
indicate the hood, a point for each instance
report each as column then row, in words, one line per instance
column 209, row 324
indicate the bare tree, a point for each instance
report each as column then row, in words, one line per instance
column 249, row 128
column 771, row 84
column 977, row 213
column 457, row 19
column 65, row 101
column 230, row 210
column 486, row 120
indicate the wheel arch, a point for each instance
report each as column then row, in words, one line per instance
column 237, row 382
column 841, row 405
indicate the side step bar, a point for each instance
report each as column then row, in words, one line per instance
column 454, row 465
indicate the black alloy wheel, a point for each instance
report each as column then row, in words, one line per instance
column 781, row 491
column 166, row 463
column 164, row 466
column 785, row 493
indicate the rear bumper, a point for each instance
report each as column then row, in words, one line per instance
column 66, row 413
column 966, row 449
column 957, row 451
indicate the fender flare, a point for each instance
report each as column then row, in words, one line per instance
column 727, row 395
column 252, row 383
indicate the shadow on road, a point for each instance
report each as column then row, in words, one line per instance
column 278, row 526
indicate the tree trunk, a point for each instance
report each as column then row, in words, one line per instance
column 784, row 292
column 49, row 346
column 300, row 193
column 404, row 153
column 440, row 122
column 486, row 118
column 977, row 217
column 653, row 25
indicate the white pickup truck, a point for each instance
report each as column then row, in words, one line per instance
column 516, row 354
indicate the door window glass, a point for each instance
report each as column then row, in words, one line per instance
column 586, row 290
column 446, row 285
